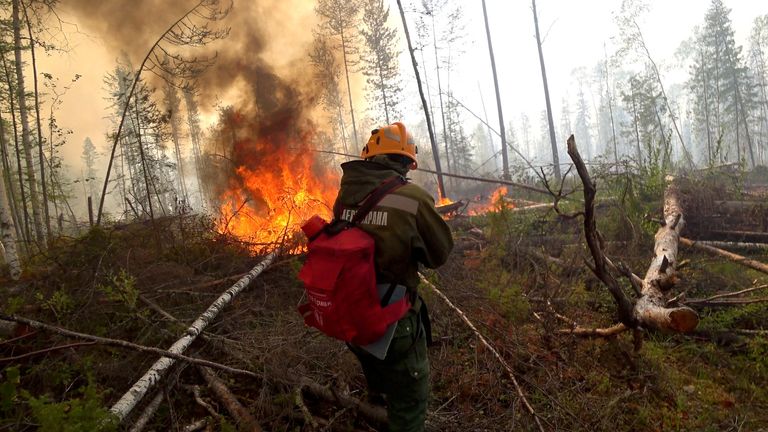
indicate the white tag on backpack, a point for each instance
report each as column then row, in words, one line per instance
column 379, row 348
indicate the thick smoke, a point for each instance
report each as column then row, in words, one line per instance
column 261, row 74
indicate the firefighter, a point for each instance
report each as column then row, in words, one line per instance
column 408, row 232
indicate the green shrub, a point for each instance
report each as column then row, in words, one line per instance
column 83, row 414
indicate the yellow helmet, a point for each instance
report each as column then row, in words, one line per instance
column 391, row 139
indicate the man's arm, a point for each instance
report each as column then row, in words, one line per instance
column 436, row 240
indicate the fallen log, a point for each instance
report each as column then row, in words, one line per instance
column 755, row 265
column 738, row 208
column 451, row 207
column 148, row 413
column 651, row 309
column 372, row 413
column 739, row 236
column 733, row 245
column 196, row 426
column 244, row 420
column 723, row 303
column 595, row 332
column 129, row 400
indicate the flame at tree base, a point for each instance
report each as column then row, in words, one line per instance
column 275, row 187
column 269, row 208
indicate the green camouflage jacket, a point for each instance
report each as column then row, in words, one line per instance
column 405, row 225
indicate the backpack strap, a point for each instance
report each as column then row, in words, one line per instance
column 374, row 197
column 338, row 224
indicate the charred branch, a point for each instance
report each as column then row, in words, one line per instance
column 244, row 420
column 600, row 266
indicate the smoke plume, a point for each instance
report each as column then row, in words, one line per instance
column 260, row 86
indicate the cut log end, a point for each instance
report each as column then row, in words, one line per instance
column 680, row 319
column 683, row 319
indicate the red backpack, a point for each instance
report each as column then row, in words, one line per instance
column 339, row 277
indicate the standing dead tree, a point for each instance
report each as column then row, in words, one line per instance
column 550, row 122
column 650, row 310
column 503, row 134
column 162, row 62
column 432, row 140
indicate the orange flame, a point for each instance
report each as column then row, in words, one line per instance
column 267, row 202
column 498, row 200
column 444, row 201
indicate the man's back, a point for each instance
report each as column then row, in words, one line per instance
column 405, row 226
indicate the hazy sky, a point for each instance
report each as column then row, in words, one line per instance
column 575, row 34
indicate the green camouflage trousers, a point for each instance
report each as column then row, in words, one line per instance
column 403, row 376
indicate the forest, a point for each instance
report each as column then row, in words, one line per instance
column 603, row 170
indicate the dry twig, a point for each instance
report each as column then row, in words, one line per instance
column 245, row 421
column 490, row 347
column 125, row 344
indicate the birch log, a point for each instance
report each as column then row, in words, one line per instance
column 7, row 237
column 650, row 310
column 756, row 265
column 129, row 400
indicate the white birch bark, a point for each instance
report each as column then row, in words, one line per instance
column 25, row 139
column 129, row 400
column 7, row 237
column 650, row 309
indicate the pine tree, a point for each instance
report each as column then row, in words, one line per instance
column 758, row 59
column 461, row 147
column 143, row 165
column 195, row 135
column 582, row 127
column 380, row 64
column 173, row 113
column 722, row 89
column 644, row 127
column 89, row 157
column 340, row 17
column 525, row 131
column 327, row 73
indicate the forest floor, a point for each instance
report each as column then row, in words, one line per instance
column 110, row 282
